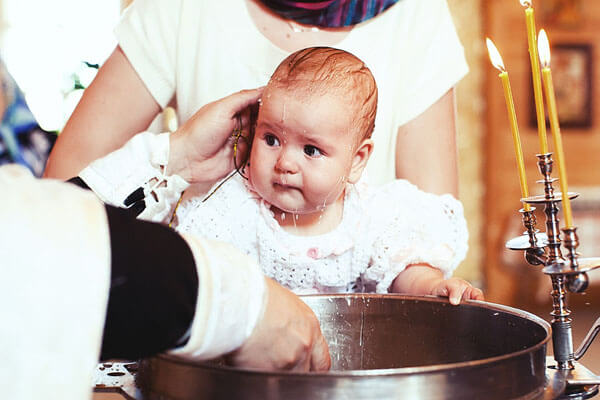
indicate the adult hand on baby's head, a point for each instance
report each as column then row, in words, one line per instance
column 457, row 289
column 201, row 151
column 287, row 337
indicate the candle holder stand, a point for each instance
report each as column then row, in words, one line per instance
column 568, row 272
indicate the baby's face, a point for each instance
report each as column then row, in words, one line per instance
column 302, row 150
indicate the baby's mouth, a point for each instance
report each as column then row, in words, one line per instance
column 283, row 186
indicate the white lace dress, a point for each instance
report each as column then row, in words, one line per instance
column 383, row 229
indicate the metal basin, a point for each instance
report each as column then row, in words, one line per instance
column 385, row 347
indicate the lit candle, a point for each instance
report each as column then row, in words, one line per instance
column 544, row 49
column 535, row 71
column 496, row 60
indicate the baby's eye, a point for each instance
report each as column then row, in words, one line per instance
column 312, row 151
column 271, row 140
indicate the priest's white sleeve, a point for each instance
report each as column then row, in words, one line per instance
column 231, row 299
column 54, row 285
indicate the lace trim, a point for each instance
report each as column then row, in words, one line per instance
column 382, row 232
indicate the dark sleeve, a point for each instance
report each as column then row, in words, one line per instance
column 77, row 181
column 153, row 289
column 135, row 202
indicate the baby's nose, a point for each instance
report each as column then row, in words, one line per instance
column 286, row 163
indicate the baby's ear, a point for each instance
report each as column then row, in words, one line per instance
column 359, row 160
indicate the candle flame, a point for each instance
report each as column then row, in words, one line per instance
column 544, row 49
column 525, row 3
column 495, row 56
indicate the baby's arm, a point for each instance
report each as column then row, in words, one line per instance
column 420, row 279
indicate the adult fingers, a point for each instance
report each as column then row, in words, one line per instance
column 320, row 360
column 302, row 362
column 237, row 102
column 314, row 356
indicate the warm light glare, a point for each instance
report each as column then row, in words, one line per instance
column 525, row 3
column 495, row 56
column 544, row 49
column 44, row 44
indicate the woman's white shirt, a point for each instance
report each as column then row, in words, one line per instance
column 198, row 51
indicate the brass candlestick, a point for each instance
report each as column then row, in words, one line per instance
column 567, row 273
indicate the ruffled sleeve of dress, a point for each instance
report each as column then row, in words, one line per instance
column 408, row 226
column 137, row 172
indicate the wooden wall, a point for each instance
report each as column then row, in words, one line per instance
column 467, row 16
column 508, row 278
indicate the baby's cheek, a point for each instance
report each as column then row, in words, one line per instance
column 254, row 183
column 251, row 166
column 327, row 193
column 250, row 175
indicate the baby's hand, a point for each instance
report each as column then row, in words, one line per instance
column 423, row 279
column 456, row 289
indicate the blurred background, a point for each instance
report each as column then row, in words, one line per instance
column 52, row 50
column 488, row 174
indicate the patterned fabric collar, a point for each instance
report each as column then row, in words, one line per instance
column 329, row 13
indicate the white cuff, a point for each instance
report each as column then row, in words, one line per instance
column 142, row 161
column 231, row 299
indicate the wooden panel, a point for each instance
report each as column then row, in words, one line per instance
column 505, row 24
column 470, row 126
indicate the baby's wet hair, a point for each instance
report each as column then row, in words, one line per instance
column 319, row 70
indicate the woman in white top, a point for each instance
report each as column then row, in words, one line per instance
column 192, row 52
column 303, row 212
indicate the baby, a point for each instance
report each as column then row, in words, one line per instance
column 304, row 212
